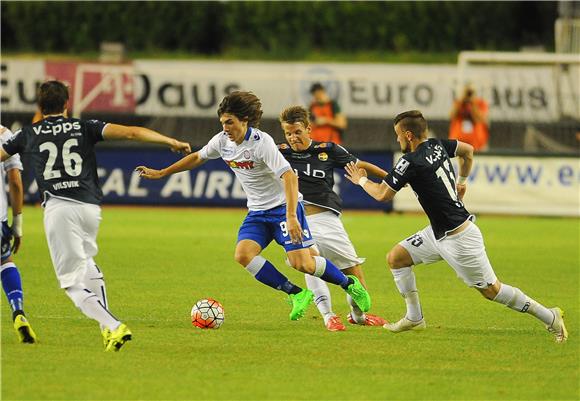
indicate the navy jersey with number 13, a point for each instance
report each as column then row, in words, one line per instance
column 429, row 171
column 63, row 157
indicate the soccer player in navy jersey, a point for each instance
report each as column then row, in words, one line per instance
column 314, row 163
column 62, row 155
column 275, row 210
column 452, row 234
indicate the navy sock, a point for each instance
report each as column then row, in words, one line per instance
column 12, row 288
column 331, row 273
column 270, row 276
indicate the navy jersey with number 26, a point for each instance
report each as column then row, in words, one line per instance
column 429, row 171
column 62, row 154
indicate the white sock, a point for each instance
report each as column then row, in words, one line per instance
column 515, row 299
column 357, row 314
column 321, row 296
column 405, row 282
column 88, row 303
column 95, row 282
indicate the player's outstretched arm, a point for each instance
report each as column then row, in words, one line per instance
column 141, row 134
column 464, row 152
column 16, row 193
column 188, row 162
column 358, row 176
column 371, row 169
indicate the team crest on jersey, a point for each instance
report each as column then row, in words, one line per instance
column 322, row 157
column 245, row 165
column 247, row 154
column 402, row 166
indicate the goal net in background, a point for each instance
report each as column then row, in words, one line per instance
column 533, row 98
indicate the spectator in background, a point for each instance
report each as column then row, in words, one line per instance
column 328, row 122
column 469, row 122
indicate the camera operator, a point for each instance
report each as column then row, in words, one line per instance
column 469, row 122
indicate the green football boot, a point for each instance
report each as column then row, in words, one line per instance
column 359, row 294
column 300, row 302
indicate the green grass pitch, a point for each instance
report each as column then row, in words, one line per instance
column 158, row 262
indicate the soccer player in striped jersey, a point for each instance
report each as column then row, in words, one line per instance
column 11, row 281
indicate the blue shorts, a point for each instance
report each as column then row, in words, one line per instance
column 263, row 226
column 5, row 242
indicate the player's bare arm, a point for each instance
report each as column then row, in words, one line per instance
column 371, row 169
column 188, row 162
column 290, row 181
column 16, row 193
column 358, row 176
column 464, row 153
column 3, row 155
column 141, row 134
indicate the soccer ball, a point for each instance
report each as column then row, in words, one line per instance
column 207, row 314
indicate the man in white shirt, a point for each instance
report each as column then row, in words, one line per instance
column 11, row 281
column 274, row 203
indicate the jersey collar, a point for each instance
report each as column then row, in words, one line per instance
column 248, row 133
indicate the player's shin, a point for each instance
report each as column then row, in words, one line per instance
column 89, row 304
column 328, row 272
column 12, row 285
column 266, row 273
column 515, row 299
column 321, row 296
column 95, row 282
column 407, row 286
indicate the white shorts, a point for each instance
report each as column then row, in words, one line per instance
column 465, row 253
column 71, row 232
column 332, row 240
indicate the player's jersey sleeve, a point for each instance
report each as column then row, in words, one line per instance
column 212, row 149
column 272, row 157
column 400, row 175
column 341, row 156
column 14, row 161
column 450, row 146
column 94, row 130
column 16, row 144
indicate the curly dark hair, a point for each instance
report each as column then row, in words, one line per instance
column 243, row 105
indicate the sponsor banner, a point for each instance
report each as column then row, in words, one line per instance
column 195, row 88
column 93, row 87
column 212, row 184
column 545, row 186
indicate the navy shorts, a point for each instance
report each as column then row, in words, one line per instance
column 263, row 226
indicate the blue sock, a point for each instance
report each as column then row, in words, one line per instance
column 12, row 286
column 327, row 271
column 266, row 273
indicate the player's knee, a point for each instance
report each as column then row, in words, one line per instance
column 490, row 292
column 243, row 258
column 394, row 260
column 304, row 265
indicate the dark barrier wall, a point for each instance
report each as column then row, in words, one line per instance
column 212, row 184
